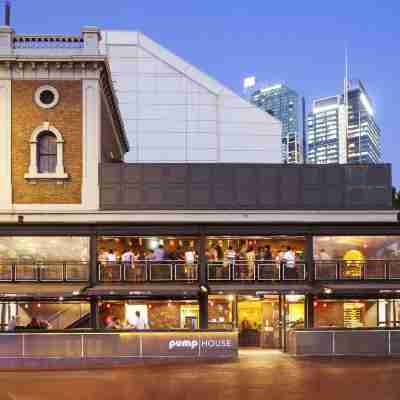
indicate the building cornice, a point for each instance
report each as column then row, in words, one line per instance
column 75, row 214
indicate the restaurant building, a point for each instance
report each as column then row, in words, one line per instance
column 90, row 243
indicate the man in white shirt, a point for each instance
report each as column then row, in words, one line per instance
column 190, row 258
column 290, row 263
column 140, row 323
column 111, row 257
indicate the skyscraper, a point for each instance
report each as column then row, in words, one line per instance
column 337, row 135
column 283, row 103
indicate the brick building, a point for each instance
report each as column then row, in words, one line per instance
column 89, row 241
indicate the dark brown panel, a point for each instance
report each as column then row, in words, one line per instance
column 245, row 187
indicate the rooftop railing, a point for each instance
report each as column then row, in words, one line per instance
column 371, row 269
column 48, row 271
column 258, row 270
column 148, row 271
column 48, row 42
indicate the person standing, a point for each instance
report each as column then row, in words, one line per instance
column 290, row 262
column 140, row 323
column 190, row 258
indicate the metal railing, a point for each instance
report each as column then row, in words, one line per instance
column 258, row 270
column 379, row 269
column 147, row 271
column 63, row 271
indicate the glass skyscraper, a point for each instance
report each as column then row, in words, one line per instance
column 283, row 103
column 337, row 135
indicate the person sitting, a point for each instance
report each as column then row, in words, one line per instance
column 34, row 324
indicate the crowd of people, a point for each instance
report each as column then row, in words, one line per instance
column 136, row 261
column 246, row 258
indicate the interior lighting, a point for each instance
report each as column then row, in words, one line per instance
column 231, row 297
column 328, row 290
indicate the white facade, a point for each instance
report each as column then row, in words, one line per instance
column 174, row 113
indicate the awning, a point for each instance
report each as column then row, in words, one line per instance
column 255, row 289
column 144, row 290
column 40, row 290
column 358, row 288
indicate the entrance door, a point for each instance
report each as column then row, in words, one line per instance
column 293, row 316
column 258, row 322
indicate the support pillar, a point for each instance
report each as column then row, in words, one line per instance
column 94, row 314
column 309, row 257
column 93, row 260
column 203, row 280
column 309, row 311
column 203, row 306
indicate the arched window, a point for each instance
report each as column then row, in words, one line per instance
column 47, row 158
column 46, row 152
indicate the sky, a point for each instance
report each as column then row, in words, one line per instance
column 300, row 43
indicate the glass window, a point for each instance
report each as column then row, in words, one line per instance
column 47, row 152
column 346, row 313
column 357, row 248
column 44, row 248
column 149, row 314
column 45, row 315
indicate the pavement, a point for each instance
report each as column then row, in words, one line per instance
column 258, row 374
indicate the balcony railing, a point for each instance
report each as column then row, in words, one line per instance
column 16, row 271
column 148, row 271
column 372, row 269
column 259, row 270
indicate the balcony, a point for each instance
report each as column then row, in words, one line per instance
column 257, row 271
column 372, row 269
column 148, row 271
column 16, row 271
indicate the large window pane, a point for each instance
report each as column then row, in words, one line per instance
column 44, row 248
column 359, row 248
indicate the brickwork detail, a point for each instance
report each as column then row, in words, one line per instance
column 67, row 118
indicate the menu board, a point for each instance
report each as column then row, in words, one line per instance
column 352, row 315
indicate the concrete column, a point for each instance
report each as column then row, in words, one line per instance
column 5, row 144
column 309, row 311
column 309, row 257
column 91, row 143
column 93, row 275
column 94, row 314
column 203, row 306
column 91, row 39
column 6, row 40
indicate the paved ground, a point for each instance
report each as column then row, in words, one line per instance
column 257, row 375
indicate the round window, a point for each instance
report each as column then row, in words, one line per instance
column 46, row 96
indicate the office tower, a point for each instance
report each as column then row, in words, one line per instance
column 340, row 135
column 283, row 103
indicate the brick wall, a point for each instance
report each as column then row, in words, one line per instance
column 66, row 116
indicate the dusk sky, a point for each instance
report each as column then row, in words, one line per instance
column 300, row 43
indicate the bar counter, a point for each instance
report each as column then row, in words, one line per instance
column 44, row 349
column 372, row 342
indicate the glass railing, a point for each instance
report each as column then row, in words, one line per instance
column 258, row 270
column 148, row 271
column 380, row 269
column 59, row 271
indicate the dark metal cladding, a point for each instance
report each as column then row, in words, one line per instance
column 143, row 186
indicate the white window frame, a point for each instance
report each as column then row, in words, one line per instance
column 33, row 172
column 41, row 89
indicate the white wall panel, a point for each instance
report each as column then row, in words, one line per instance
column 174, row 112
